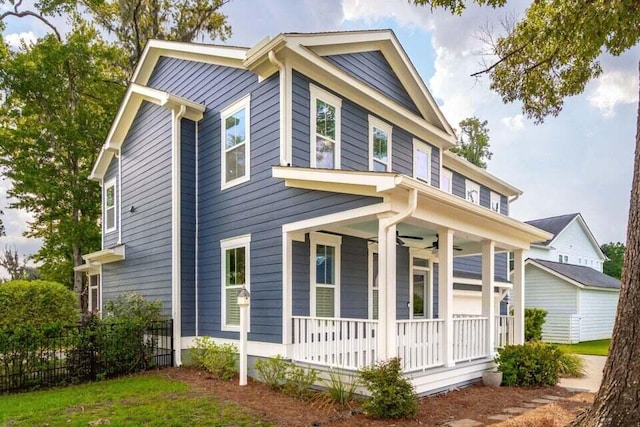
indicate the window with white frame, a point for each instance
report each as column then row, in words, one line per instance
column 564, row 259
column 110, row 205
column 446, row 180
column 325, row 129
column 236, row 143
column 325, row 275
column 421, row 161
column 379, row 145
column 94, row 293
column 472, row 190
column 495, row 202
column 373, row 281
column 236, row 275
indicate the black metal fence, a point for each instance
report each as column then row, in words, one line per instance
column 33, row 358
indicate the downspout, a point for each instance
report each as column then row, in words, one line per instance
column 175, row 241
column 284, row 99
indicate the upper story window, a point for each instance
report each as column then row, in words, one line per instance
column 495, row 202
column 325, row 129
column 110, row 206
column 446, row 180
column 236, row 143
column 325, row 275
column 421, row 161
column 562, row 258
column 472, row 191
column 235, row 265
column 379, row 145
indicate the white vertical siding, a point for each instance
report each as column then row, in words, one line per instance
column 597, row 314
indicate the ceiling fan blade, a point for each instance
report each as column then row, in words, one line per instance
column 411, row 237
column 456, row 248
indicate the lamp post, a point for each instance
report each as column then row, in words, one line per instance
column 244, row 298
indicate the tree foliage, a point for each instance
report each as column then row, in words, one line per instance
column 615, row 253
column 474, row 142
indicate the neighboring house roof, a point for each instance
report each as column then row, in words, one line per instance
column 581, row 276
column 557, row 224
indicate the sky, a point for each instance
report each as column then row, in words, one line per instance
column 580, row 161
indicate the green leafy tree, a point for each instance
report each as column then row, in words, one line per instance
column 548, row 55
column 615, row 253
column 474, row 142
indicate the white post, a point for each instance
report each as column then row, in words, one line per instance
column 243, row 302
column 518, row 296
column 488, row 298
column 445, row 292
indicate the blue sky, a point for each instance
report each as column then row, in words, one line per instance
column 580, row 161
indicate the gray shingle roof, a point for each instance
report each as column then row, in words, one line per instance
column 586, row 276
column 553, row 225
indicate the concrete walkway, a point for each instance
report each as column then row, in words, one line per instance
column 593, row 375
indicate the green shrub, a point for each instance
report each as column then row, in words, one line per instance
column 299, row 381
column 392, row 395
column 532, row 363
column 272, row 371
column 221, row 360
column 571, row 365
column 37, row 303
column 133, row 307
column 533, row 320
column 340, row 389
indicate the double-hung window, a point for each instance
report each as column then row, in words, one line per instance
column 236, row 153
column 325, row 275
column 325, row 129
column 472, row 190
column 379, row 145
column 421, row 161
column 110, row 204
column 495, row 202
column 236, row 273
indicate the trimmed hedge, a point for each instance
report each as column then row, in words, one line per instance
column 37, row 303
column 533, row 320
column 532, row 363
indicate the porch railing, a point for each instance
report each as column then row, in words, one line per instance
column 342, row 343
column 504, row 331
column 420, row 343
column 469, row 338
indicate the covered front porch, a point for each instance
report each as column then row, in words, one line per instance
column 384, row 280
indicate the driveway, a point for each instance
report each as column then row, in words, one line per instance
column 593, row 375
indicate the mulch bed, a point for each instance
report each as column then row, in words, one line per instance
column 475, row 402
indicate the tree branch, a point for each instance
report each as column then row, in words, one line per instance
column 26, row 13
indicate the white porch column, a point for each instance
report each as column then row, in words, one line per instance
column 488, row 299
column 387, row 347
column 445, row 292
column 518, row 296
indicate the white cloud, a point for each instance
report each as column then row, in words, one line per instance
column 611, row 89
column 514, row 123
column 404, row 13
column 14, row 40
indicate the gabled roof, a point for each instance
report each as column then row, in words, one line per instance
column 557, row 224
column 463, row 166
column 578, row 275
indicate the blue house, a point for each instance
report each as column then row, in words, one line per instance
column 313, row 170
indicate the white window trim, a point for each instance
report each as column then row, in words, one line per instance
column 321, row 94
column 493, row 198
column 376, row 122
column 470, row 186
column 243, row 103
column 448, row 173
column 326, row 240
column 98, row 289
column 421, row 146
column 107, row 185
column 233, row 243
column 372, row 249
column 565, row 258
column 428, row 309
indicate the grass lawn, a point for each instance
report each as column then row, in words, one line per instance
column 595, row 348
column 148, row 400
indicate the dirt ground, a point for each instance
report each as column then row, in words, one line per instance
column 475, row 402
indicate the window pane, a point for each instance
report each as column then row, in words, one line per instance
column 375, row 304
column 325, row 119
column 325, row 264
column 419, row 287
column 559, row 258
column 324, row 154
column 380, row 139
column 375, row 271
column 379, row 167
column 235, row 129
column 445, row 182
column 235, row 161
column 422, row 165
column 235, row 266
column 473, row 196
column 232, row 310
column 325, row 302
column 110, row 196
column 111, row 217
column 94, row 300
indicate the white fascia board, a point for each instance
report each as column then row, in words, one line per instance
column 469, row 170
column 330, row 178
column 106, row 256
column 590, row 236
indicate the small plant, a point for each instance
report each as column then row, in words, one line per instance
column 272, row 371
column 221, row 360
column 134, row 307
column 299, row 381
column 533, row 320
column 392, row 395
column 532, row 363
column 570, row 365
column 340, row 389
